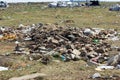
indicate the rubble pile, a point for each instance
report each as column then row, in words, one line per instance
column 66, row 43
column 44, row 41
column 115, row 7
column 97, row 76
column 7, row 33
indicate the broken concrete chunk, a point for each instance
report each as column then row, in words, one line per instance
column 3, row 68
column 29, row 77
column 55, row 41
column 96, row 75
column 34, row 56
column 100, row 50
column 113, row 61
column 76, row 52
column 103, row 67
column 92, row 54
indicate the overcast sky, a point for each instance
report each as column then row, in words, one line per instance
column 45, row 0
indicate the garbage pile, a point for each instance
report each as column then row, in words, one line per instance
column 7, row 33
column 3, row 68
column 41, row 42
column 3, row 5
column 97, row 76
column 64, row 4
column 115, row 8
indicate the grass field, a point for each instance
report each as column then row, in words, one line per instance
column 84, row 17
column 28, row 14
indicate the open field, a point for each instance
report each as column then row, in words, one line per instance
column 83, row 16
column 27, row 14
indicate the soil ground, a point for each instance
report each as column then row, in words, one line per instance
column 28, row 14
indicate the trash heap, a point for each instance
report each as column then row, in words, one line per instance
column 97, row 76
column 115, row 7
column 7, row 33
column 41, row 42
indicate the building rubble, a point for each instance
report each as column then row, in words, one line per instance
column 98, row 76
column 43, row 42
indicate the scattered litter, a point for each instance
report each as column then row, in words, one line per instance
column 29, row 77
column 115, row 8
column 96, row 75
column 114, row 61
column 118, row 66
column 42, row 41
column 65, row 43
column 100, row 68
column 3, row 68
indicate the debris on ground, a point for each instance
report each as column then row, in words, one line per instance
column 114, row 61
column 43, row 42
column 98, row 76
column 3, row 68
column 103, row 67
column 7, row 33
column 38, row 76
column 115, row 8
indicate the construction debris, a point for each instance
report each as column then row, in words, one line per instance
column 35, row 76
column 3, row 5
column 114, row 61
column 3, row 68
column 115, row 8
column 7, row 33
column 69, row 43
column 97, row 76
column 41, row 42
column 104, row 67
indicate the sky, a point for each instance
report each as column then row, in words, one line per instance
column 46, row 0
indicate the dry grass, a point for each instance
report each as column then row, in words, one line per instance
column 83, row 17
